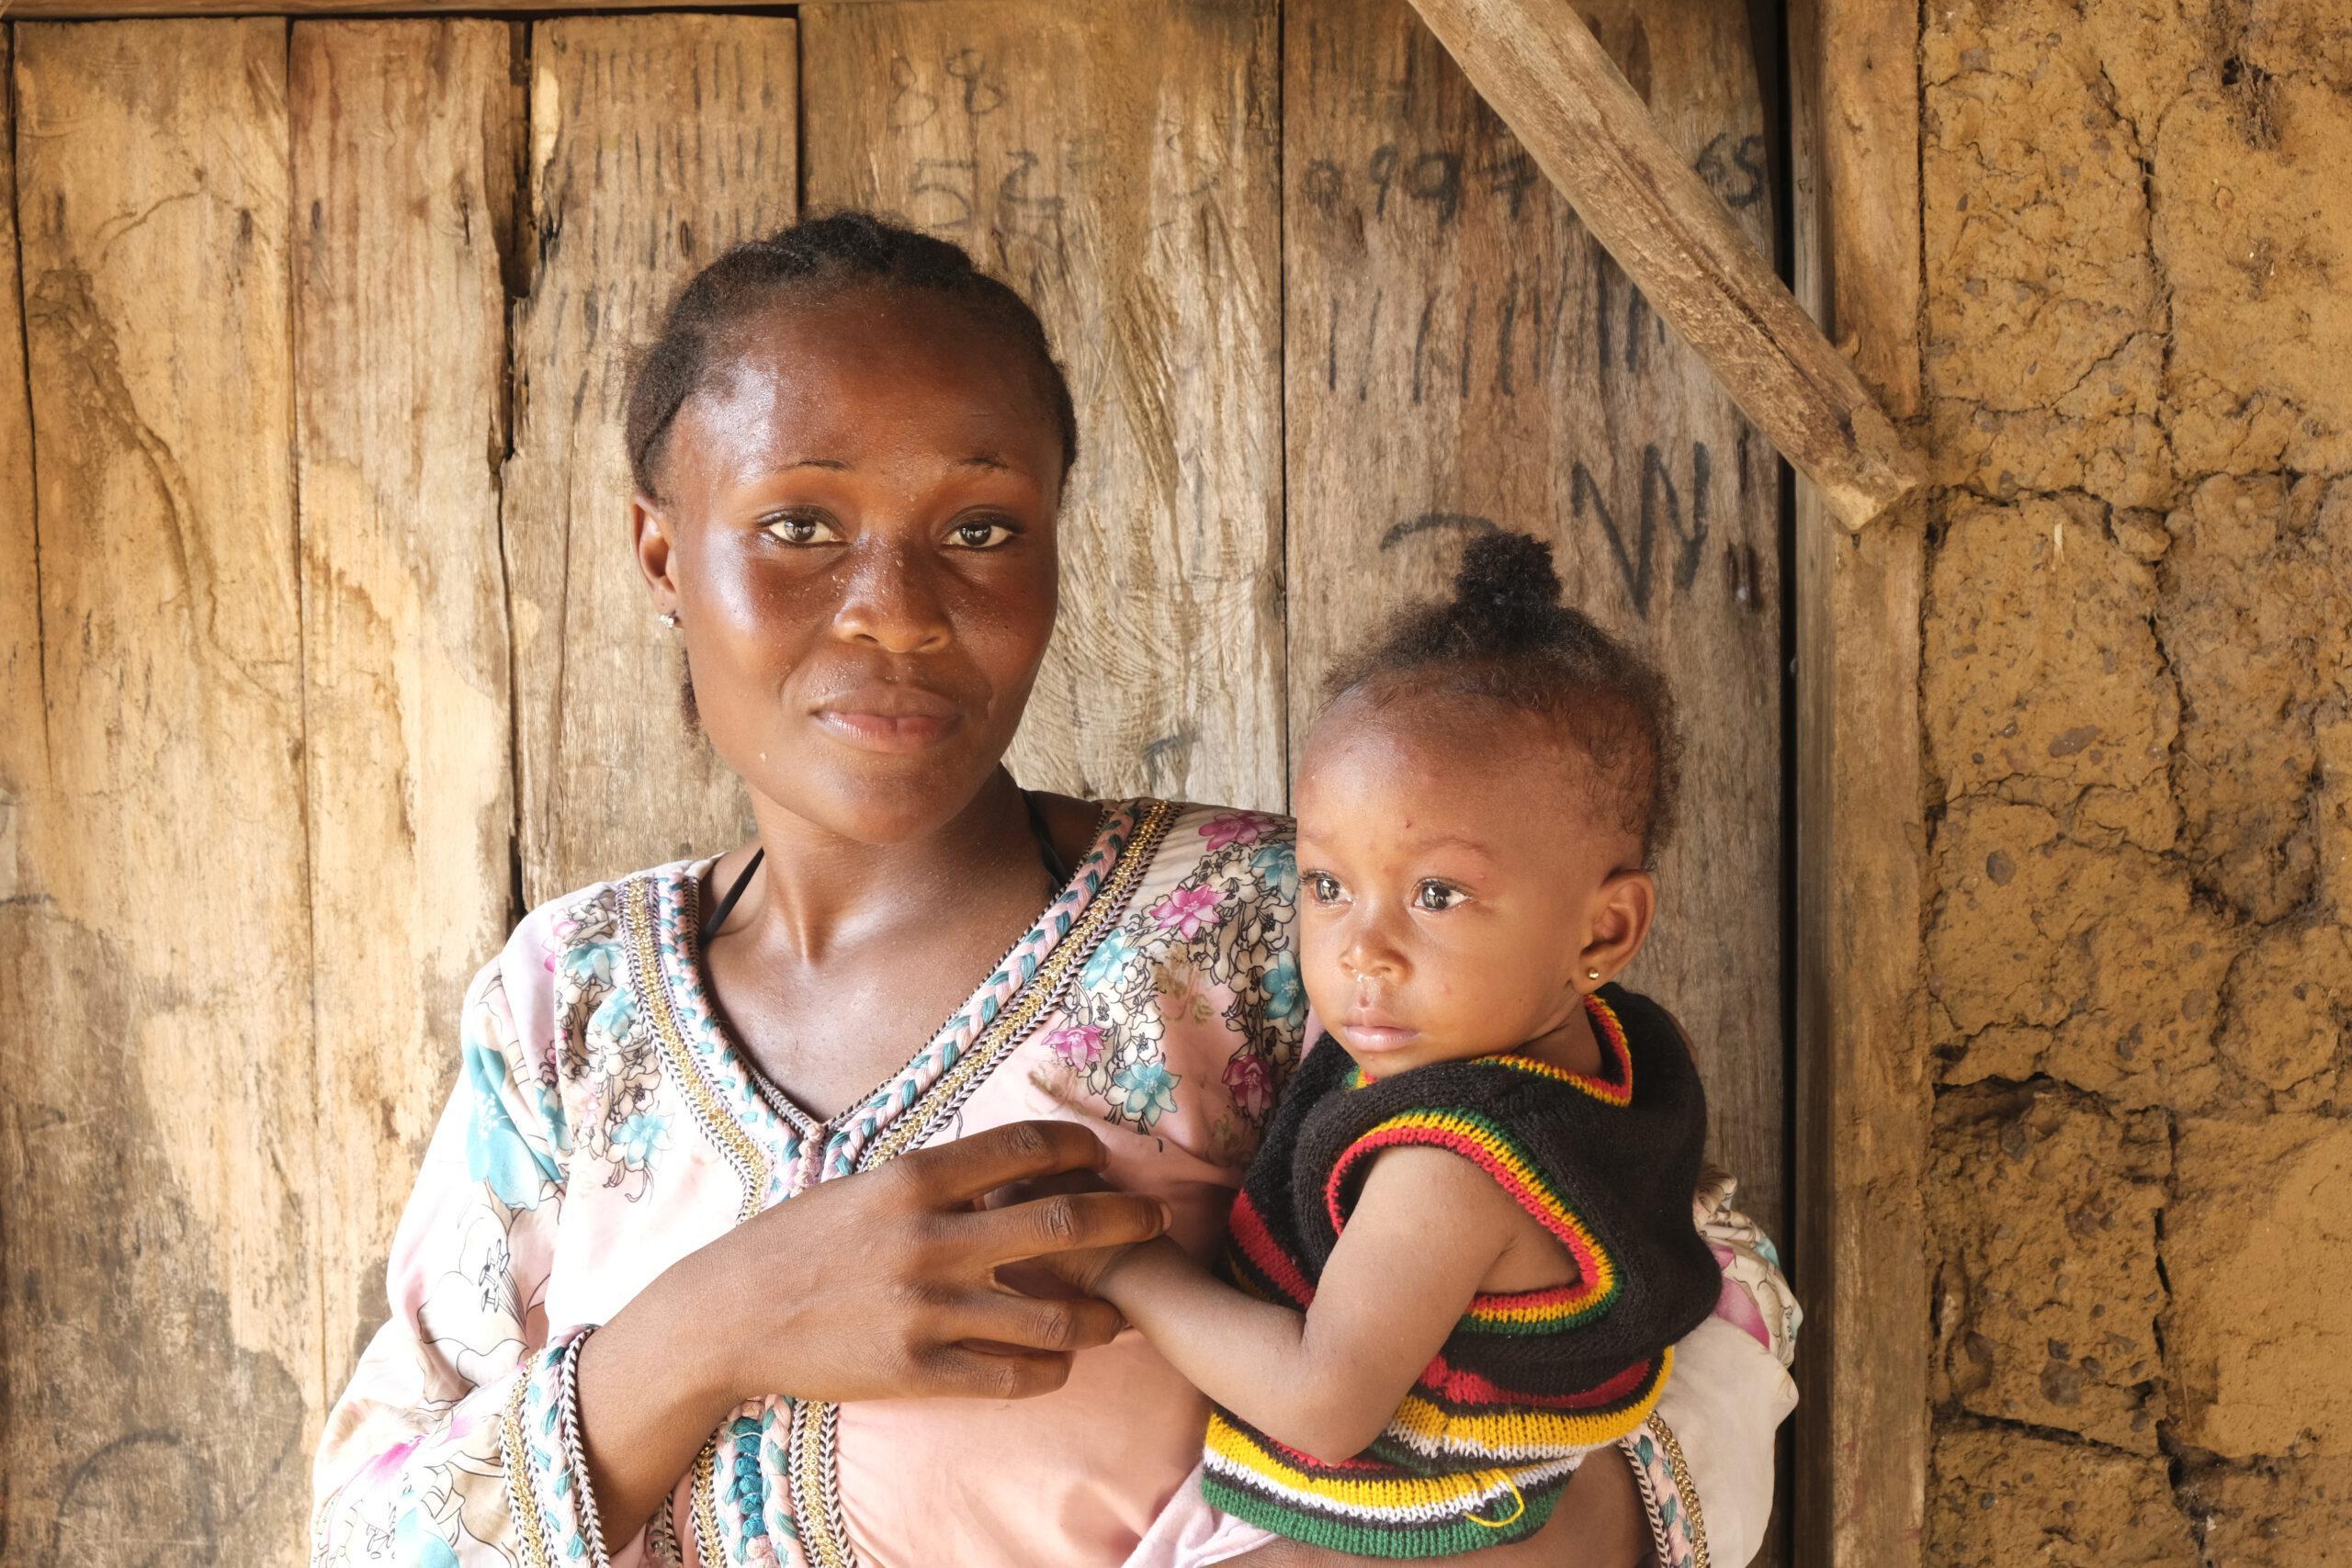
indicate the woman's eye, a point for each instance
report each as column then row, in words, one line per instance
column 801, row 528
column 981, row 533
column 1437, row 896
column 1322, row 887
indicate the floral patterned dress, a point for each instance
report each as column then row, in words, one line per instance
column 605, row 1125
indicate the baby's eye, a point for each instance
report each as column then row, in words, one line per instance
column 1437, row 896
column 1322, row 887
column 982, row 534
column 803, row 528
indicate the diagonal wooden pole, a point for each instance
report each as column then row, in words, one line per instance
column 1540, row 67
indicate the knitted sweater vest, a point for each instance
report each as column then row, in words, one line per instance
column 1528, row 1382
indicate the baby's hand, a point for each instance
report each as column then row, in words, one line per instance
column 1059, row 1274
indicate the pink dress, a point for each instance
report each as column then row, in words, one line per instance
column 604, row 1125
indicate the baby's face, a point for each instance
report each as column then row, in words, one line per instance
column 1448, row 877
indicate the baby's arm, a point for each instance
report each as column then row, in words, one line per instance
column 1427, row 1228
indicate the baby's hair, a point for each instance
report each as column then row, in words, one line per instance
column 812, row 258
column 1506, row 637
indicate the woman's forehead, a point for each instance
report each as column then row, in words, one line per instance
column 860, row 375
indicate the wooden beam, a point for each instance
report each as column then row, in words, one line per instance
column 1862, row 1101
column 1537, row 63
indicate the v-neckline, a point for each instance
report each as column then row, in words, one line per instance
column 817, row 1147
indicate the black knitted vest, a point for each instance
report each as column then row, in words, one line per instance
column 1528, row 1382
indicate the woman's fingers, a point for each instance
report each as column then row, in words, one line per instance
column 1061, row 1324
column 967, row 1168
column 956, row 1372
column 1067, row 1222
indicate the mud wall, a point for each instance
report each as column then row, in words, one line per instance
column 2137, row 691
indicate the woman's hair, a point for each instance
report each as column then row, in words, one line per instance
column 1506, row 637
column 809, row 260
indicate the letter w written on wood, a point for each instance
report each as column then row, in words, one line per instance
column 1544, row 73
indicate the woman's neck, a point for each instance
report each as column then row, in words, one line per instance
column 817, row 891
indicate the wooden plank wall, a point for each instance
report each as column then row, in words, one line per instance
column 323, row 653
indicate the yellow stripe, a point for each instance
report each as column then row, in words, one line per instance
column 1229, row 1442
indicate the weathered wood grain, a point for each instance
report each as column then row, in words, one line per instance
column 159, row 1315
column 95, row 9
column 406, row 141
column 1462, row 354
column 1862, row 1101
column 656, row 142
column 1552, row 82
column 1118, row 166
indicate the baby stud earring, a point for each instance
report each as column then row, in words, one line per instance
column 1592, row 974
column 670, row 619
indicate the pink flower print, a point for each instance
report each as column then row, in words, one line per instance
column 1733, row 1305
column 1233, row 828
column 1187, row 910
column 1080, row 1045
column 1251, row 1084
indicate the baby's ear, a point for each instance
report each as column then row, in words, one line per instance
column 1616, row 926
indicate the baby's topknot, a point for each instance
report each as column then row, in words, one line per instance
column 1507, row 596
column 1507, row 637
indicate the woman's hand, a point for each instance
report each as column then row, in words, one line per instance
column 1598, row 1524
column 874, row 1286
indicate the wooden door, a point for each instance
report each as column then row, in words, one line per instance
column 322, row 656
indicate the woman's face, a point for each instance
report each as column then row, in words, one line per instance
column 856, row 530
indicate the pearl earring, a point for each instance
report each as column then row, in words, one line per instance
column 670, row 619
column 1592, row 974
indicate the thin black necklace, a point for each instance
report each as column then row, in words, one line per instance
column 1057, row 870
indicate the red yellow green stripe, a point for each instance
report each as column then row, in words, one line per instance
column 1485, row 1144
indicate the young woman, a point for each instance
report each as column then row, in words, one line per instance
column 612, row 1336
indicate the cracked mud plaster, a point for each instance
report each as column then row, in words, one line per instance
column 2256, row 1247
column 2285, row 1514
column 2044, row 1206
column 2092, row 965
column 2046, row 311
column 2286, row 1021
column 2041, row 681
column 2257, row 615
column 2001, row 1498
column 2254, row 237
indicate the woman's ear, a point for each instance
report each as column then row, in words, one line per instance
column 650, row 527
column 1622, row 912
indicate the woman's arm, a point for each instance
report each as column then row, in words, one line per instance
column 1427, row 1228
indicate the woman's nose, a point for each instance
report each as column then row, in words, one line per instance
column 892, row 601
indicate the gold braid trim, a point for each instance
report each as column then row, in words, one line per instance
column 921, row 1118
column 520, row 1498
column 706, row 1504
column 1692, row 1519
column 816, row 1478
column 652, row 986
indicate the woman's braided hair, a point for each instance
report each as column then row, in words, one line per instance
column 1506, row 637
column 815, row 256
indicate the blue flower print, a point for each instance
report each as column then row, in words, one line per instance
column 638, row 1139
column 496, row 1153
column 1109, row 958
column 1143, row 1092
column 1277, row 867
column 1285, row 997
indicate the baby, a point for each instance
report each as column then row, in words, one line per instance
column 1465, row 1248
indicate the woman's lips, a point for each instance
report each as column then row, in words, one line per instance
column 889, row 718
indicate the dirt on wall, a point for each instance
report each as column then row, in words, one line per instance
column 2137, row 690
